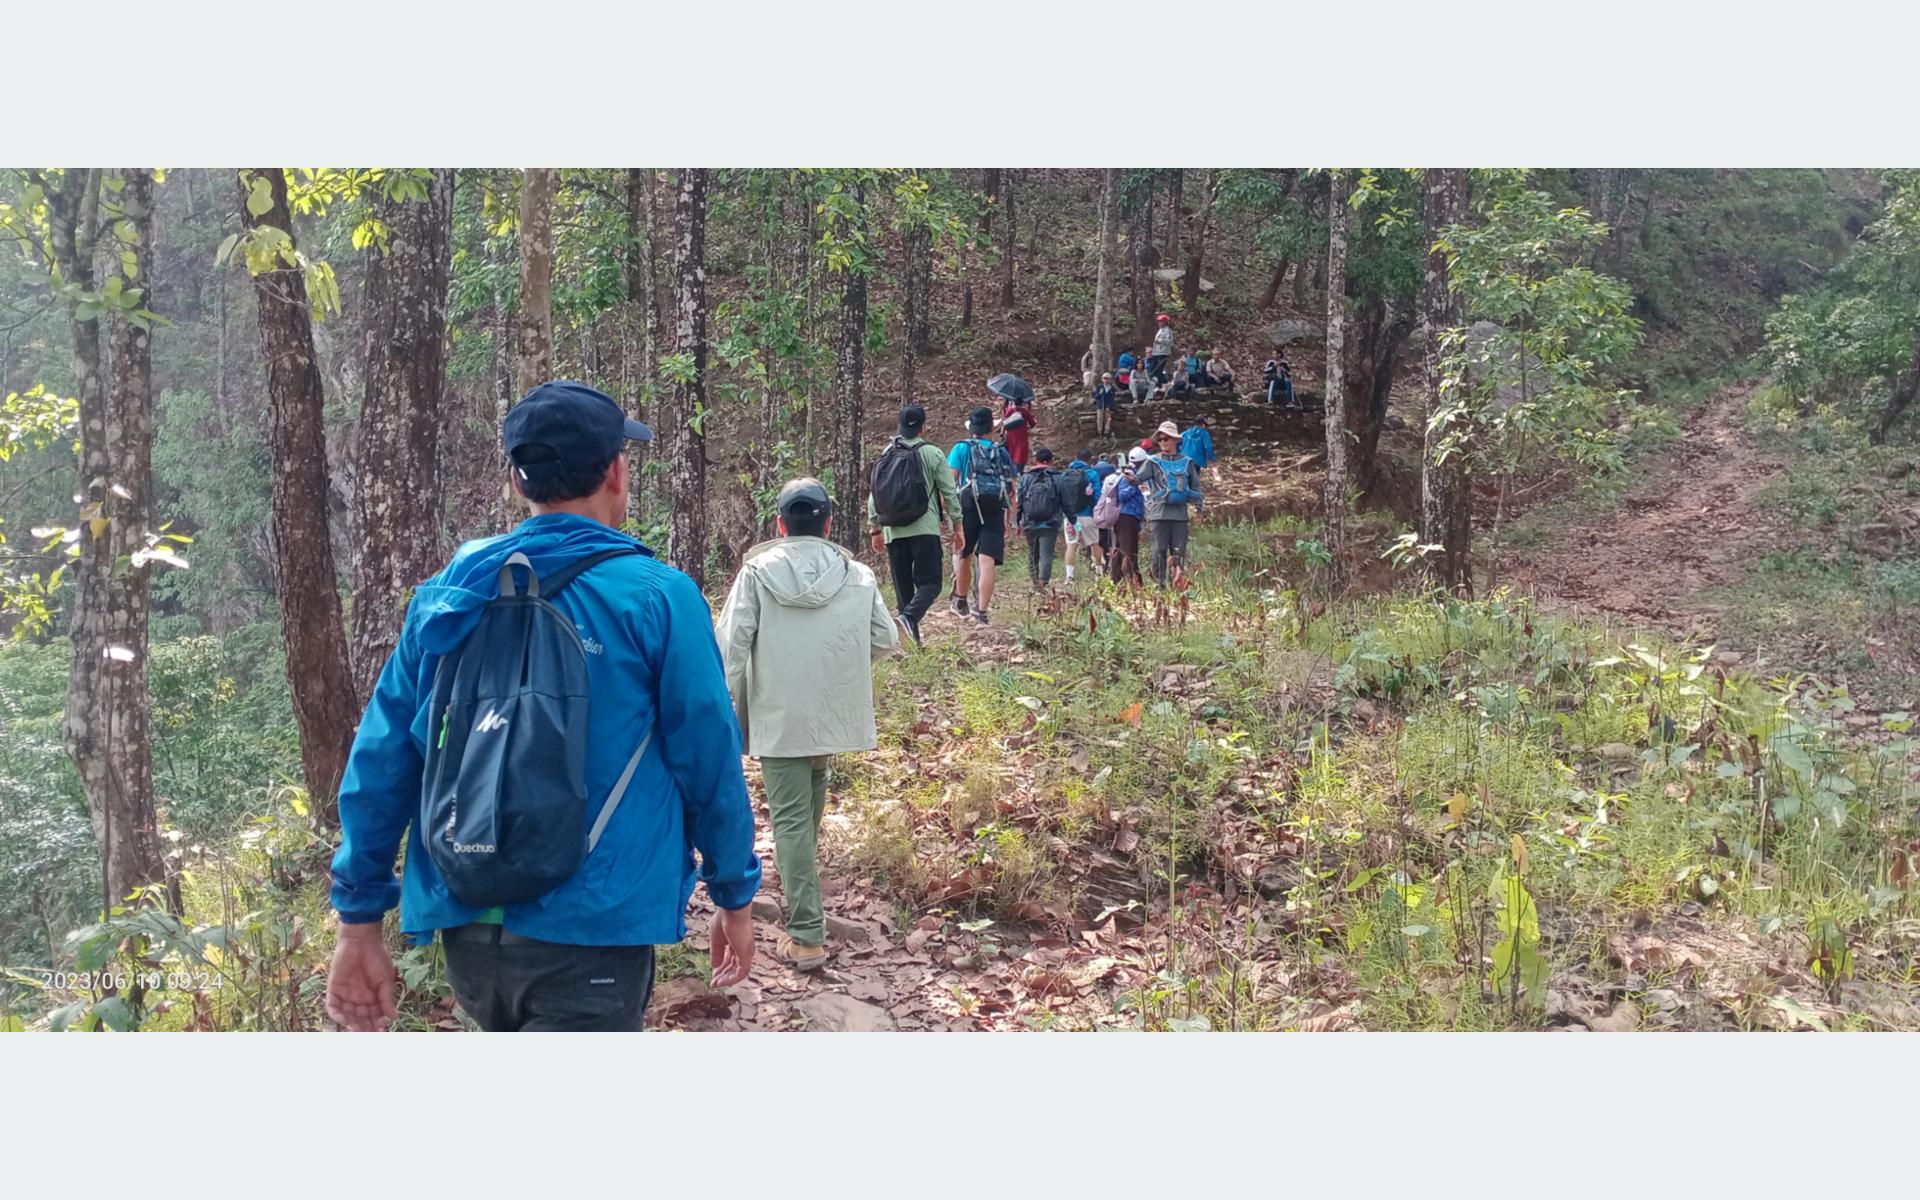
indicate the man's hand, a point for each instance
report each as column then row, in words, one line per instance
column 731, row 945
column 879, row 542
column 361, row 982
column 957, row 539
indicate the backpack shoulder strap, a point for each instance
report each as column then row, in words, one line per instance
column 552, row 584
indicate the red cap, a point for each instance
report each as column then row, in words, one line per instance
column 1146, row 443
column 1163, row 317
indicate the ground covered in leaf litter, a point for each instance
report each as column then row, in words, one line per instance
column 1055, row 967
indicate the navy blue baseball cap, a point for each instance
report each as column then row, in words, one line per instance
column 581, row 427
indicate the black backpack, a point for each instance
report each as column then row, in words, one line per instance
column 1040, row 498
column 899, row 482
column 1074, row 496
column 503, row 807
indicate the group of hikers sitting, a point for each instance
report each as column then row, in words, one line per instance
column 1147, row 376
column 981, row 489
column 560, row 726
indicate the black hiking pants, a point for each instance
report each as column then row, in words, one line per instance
column 916, row 565
column 1169, row 546
column 512, row 984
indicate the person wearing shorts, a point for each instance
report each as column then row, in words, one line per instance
column 983, row 520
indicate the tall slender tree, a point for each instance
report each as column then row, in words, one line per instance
column 1335, row 496
column 1446, row 500
column 643, row 295
column 687, row 449
column 1140, row 259
column 305, row 578
column 1103, row 275
column 1009, row 243
column 107, row 712
column 397, row 501
column 534, row 354
column 1197, row 239
column 916, row 288
column 849, row 478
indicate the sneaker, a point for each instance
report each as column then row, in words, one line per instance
column 958, row 604
column 912, row 630
column 800, row 958
column 980, row 615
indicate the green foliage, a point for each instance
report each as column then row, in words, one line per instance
column 1848, row 340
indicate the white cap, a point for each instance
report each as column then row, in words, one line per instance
column 1136, row 456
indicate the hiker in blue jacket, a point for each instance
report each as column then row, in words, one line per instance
column 579, row 957
column 1197, row 444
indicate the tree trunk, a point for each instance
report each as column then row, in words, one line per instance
column 850, row 498
column 643, row 293
column 1336, row 402
column 308, row 586
column 399, row 512
column 106, row 725
column 533, row 359
column 1140, row 254
column 1197, row 241
column 1009, row 244
column 1173, row 214
column 1272, row 291
column 917, row 286
column 1103, row 276
column 687, row 450
column 1446, row 498
column 1383, row 363
column 1037, row 177
column 1902, row 398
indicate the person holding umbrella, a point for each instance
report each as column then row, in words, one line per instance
column 1016, row 418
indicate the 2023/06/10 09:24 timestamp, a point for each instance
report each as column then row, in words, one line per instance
column 112, row 979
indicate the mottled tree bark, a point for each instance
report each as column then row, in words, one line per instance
column 917, row 290
column 687, row 450
column 533, row 358
column 1335, row 494
column 1446, row 499
column 398, row 512
column 1103, row 275
column 107, row 711
column 306, row 581
column 849, row 418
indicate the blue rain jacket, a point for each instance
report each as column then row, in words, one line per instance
column 1197, row 444
column 652, row 663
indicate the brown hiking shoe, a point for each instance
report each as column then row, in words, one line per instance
column 801, row 958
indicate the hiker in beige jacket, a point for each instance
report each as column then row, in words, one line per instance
column 798, row 635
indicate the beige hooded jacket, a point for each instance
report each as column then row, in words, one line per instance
column 798, row 634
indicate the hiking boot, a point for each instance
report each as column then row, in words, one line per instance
column 800, row 958
column 957, row 604
column 912, row 629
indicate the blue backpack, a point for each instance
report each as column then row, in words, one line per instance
column 503, row 808
column 987, row 471
column 1176, row 477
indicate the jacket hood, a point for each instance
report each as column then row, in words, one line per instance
column 445, row 609
column 801, row 572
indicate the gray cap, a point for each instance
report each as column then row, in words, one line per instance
column 804, row 497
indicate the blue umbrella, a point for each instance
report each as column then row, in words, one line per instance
column 1010, row 387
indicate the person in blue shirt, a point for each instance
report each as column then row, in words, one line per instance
column 1123, row 562
column 579, row 957
column 985, row 504
column 1103, row 405
column 1197, row 444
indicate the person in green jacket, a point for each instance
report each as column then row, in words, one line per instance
column 791, row 634
column 913, row 550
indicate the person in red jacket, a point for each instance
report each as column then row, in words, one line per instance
column 1016, row 423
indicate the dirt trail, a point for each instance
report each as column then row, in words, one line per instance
column 1692, row 526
